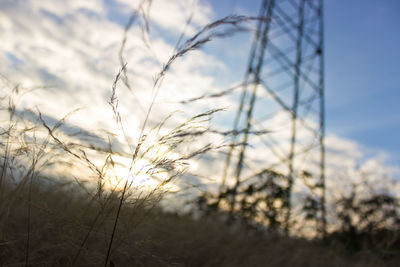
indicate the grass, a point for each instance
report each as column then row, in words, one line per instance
column 52, row 222
column 59, row 221
column 62, row 215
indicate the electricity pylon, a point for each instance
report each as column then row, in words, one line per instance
column 283, row 93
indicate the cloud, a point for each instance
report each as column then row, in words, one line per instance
column 72, row 47
column 347, row 162
column 173, row 15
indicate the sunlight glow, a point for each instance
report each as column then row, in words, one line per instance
column 142, row 176
column 139, row 176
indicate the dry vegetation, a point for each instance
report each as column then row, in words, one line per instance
column 62, row 217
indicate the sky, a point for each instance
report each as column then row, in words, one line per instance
column 71, row 48
column 362, row 79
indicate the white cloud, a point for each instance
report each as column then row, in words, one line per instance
column 73, row 47
column 172, row 15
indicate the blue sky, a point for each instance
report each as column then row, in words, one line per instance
column 362, row 77
column 362, row 74
column 72, row 47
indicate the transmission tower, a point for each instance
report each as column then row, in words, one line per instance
column 283, row 93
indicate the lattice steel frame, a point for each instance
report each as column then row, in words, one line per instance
column 285, row 75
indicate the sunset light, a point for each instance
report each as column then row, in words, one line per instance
column 199, row 133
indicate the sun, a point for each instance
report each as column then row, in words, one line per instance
column 139, row 176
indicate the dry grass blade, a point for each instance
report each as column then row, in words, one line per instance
column 179, row 134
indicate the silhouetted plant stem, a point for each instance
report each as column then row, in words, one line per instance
column 116, row 223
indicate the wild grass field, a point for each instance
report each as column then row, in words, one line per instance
column 69, row 228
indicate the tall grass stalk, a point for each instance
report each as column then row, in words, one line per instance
column 39, row 149
column 204, row 36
